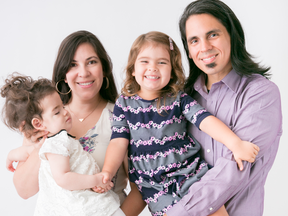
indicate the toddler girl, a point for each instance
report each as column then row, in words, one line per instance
column 67, row 172
column 150, row 120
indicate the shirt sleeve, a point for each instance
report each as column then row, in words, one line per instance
column 58, row 144
column 258, row 120
column 120, row 127
column 193, row 111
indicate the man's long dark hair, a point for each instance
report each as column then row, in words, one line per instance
column 241, row 60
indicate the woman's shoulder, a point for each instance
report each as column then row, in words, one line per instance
column 110, row 106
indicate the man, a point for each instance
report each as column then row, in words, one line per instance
column 229, row 84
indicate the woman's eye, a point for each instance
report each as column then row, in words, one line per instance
column 92, row 62
column 73, row 65
column 57, row 113
column 144, row 62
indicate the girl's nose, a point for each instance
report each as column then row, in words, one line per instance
column 65, row 112
column 152, row 68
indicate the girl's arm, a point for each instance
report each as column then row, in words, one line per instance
column 242, row 150
column 114, row 157
column 60, row 168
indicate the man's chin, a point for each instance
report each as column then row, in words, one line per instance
column 211, row 65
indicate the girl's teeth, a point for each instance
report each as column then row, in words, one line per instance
column 152, row 77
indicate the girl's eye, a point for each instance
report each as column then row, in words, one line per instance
column 162, row 63
column 145, row 62
column 57, row 113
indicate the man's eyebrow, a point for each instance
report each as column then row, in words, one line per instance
column 208, row 33
column 213, row 31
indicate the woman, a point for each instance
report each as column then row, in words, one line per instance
column 83, row 77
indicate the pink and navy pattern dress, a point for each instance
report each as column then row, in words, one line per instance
column 163, row 160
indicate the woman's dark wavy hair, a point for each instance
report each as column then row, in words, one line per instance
column 64, row 59
column 241, row 60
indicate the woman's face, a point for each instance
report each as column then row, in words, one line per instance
column 85, row 76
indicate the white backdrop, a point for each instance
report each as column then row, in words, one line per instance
column 31, row 32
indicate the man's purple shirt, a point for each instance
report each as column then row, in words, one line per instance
column 251, row 107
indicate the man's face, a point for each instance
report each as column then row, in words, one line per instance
column 209, row 45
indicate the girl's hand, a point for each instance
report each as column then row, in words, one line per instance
column 106, row 177
column 9, row 165
column 98, row 189
column 105, row 186
column 246, row 151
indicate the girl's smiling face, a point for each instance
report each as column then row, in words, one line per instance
column 152, row 70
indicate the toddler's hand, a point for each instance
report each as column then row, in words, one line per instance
column 246, row 151
column 9, row 165
column 98, row 189
column 101, row 185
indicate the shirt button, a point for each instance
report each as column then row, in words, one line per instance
column 210, row 208
column 208, row 150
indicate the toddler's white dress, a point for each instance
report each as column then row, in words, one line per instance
column 53, row 199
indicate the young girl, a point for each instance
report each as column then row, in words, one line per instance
column 67, row 172
column 150, row 120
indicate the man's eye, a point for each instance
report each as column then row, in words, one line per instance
column 213, row 35
column 193, row 41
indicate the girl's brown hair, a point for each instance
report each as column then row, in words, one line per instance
column 154, row 38
column 22, row 104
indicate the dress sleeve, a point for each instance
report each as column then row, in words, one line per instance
column 58, row 144
column 252, row 122
column 193, row 111
column 120, row 127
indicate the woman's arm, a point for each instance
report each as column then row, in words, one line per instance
column 242, row 150
column 60, row 168
column 25, row 177
column 19, row 154
column 134, row 198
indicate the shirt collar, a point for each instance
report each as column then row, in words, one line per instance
column 231, row 80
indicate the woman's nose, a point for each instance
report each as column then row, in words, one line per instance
column 83, row 71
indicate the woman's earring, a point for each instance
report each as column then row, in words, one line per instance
column 58, row 89
column 107, row 81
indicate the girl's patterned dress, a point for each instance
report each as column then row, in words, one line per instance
column 163, row 160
